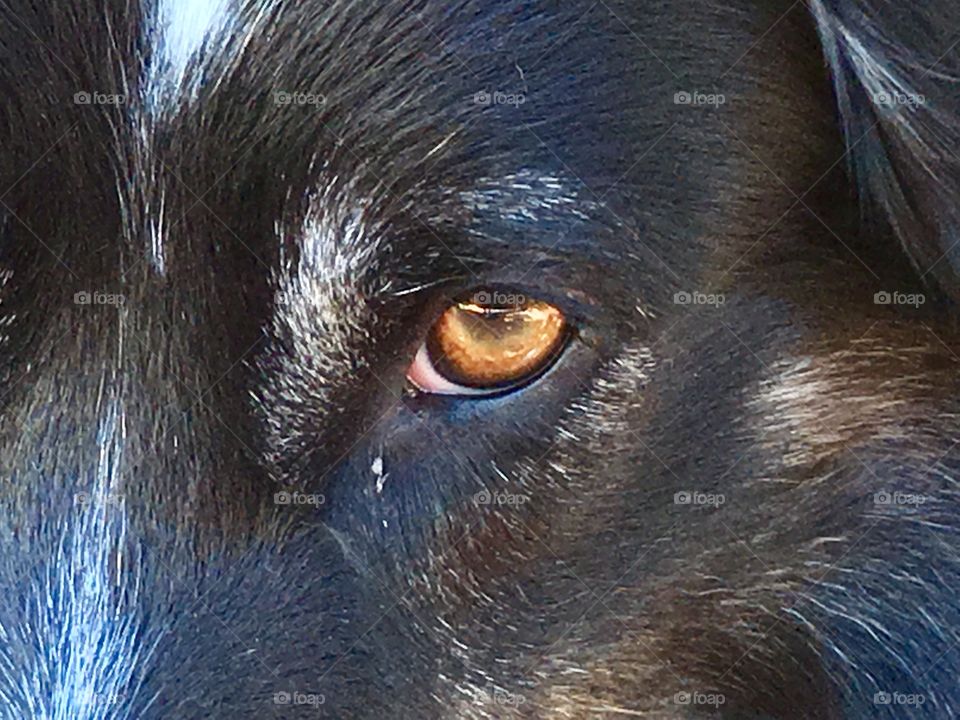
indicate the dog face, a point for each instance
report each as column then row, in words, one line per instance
column 258, row 465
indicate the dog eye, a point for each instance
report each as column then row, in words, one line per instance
column 488, row 343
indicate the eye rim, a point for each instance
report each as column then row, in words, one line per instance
column 424, row 377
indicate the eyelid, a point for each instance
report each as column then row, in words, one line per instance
column 426, row 378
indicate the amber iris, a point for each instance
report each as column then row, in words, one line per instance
column 482, row 344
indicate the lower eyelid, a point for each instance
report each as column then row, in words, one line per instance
column 425, row 377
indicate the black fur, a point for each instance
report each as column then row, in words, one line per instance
column 732, row 496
